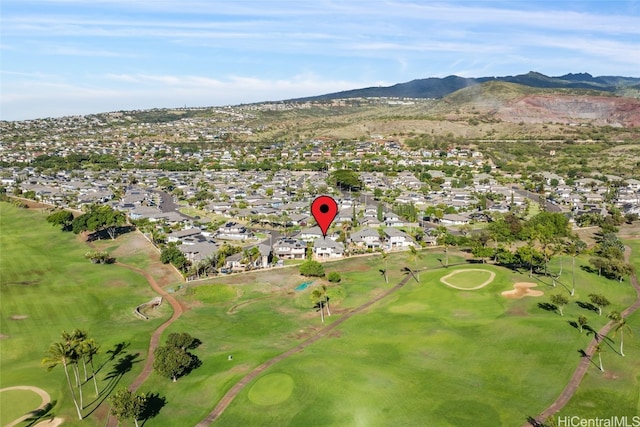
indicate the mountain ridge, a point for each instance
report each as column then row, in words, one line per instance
column 435, row 87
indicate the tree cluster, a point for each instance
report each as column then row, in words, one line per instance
column 99, row 218
column 75, row 348
column 345, row 179
column 61, row 218
column 173, row 360
column 171, row 254
column 609, row 257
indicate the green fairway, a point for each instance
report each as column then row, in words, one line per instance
column 432, row 355
column 47, row 286
column 16, row 403
column 428, row 354
column 616, row 391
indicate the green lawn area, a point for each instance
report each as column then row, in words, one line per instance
column 468, row 278
column 47, row 286
column 16, row 403
column 428, row 354
column 616, row 391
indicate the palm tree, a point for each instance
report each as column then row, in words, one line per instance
column 407, row 270
column 620, row 325
column 326, row 298
column 318, row 300
column 599, row 350
column 64, row 354
column 73, row 340
column 574, row 248
column 89, row 349
column 383, row 271
column 414, row 256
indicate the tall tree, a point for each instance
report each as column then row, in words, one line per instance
column 172, row 361
column 560, row 300
column 600, row 301
column 73, row 340
column 125, row 404
column 599, row 350
column 318, row 300
column 582, row 322
column 620, row 324
column 574, row 247
column 413, row 254
column 60, row 353
column 383, row 271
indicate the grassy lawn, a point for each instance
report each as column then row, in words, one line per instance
column 16, row 403
column 432, row 355
column 47, row 286
column 428, row 354
column 616, row 391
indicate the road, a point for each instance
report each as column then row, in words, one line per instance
column 550, row 207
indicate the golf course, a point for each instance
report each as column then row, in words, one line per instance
column 443, row 347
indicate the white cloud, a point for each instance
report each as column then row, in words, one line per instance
column 133, row 91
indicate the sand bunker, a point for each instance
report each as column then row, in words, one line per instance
column 492, row 275
column 522, row 289
column 18, row 317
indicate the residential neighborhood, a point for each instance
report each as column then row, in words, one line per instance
column 257, row 197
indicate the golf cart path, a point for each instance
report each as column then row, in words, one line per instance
column 178, row 309
column 46, row 399
column 581, row 370
column 237, row 387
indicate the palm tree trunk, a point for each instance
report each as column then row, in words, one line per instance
column 600, row 360
column 321, row 312
column 84, row 364
column 73, row 395
column 77, row 373
column 621, row 342
column 95, row 383
column 328, row 312
column 573, row 275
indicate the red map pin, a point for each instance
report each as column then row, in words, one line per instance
column 324, row 209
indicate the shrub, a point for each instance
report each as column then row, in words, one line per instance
column 312, row 269
column 334, row 277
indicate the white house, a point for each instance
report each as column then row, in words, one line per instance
column 397, row 239
column 327, row 248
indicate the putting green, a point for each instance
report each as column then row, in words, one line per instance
column 469, row 279
column 271, row 389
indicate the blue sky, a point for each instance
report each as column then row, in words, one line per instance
column 61, row 57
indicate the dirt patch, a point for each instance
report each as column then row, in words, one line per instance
column 18, row 317
column 240, row 368
column 54, row 422
column 521, row 290
column 517, row 311
column 611, row 375
column 2, row 336
column 117, row 284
